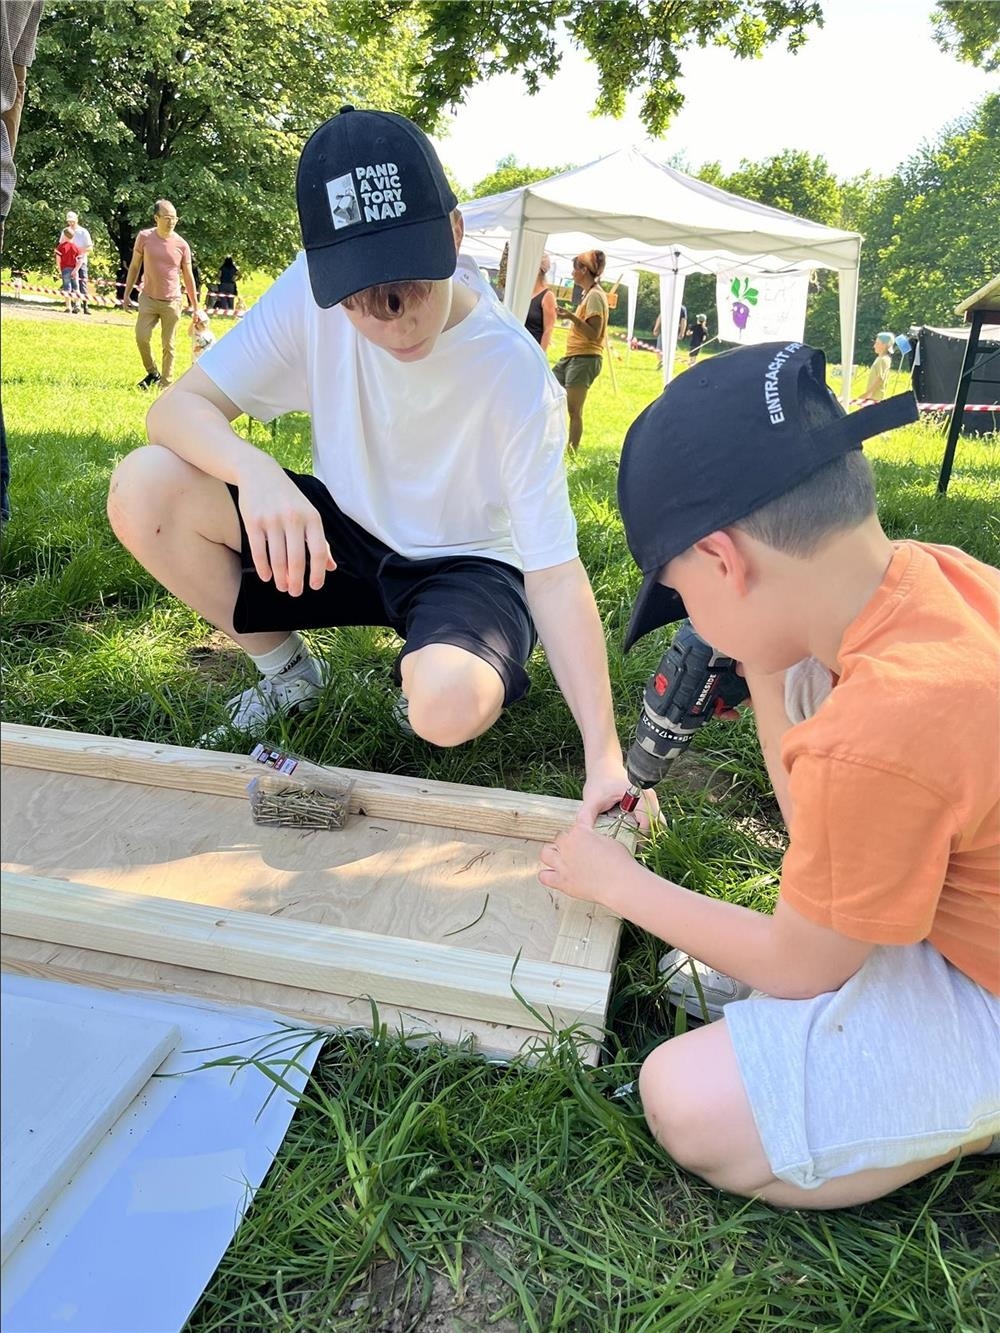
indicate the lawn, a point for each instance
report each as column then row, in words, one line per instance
column 419, row 1186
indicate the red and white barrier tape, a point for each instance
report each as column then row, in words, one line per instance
column 104, row 302
column 950, row 407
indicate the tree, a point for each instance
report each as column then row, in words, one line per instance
column 204, row 102
column 634, row 46
column 946, row 234
column 508, row 174
column 970, row 31
column 792, row 181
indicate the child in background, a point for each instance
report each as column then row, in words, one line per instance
column 699, row 335
column 67, row 254
column 870, row 1055
column 878, row 376
column 240, row 308
column 201, row 335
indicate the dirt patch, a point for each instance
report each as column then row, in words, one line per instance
column 55, row 314
column 387, row 1307
column 218, row 659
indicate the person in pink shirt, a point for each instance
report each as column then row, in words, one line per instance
column 165, row 260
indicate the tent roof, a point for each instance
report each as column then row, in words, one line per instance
column 652, row 216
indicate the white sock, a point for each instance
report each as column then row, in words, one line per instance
column 290, row 659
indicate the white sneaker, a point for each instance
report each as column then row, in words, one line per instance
column 254, row 709
column 401, row 715
column 702, row 990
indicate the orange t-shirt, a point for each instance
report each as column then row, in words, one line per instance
column 162, row 257
column 895, row 780
column 594, row 303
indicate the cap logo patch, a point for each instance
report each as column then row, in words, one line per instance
column 344, row 208
column 772, row 393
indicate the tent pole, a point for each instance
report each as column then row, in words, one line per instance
column 847, row 294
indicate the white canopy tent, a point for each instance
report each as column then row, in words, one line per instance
column 646, row 215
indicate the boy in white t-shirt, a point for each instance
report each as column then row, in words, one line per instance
column 437, row 504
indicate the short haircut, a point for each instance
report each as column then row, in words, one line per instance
column 839, row 496
column 389, row 299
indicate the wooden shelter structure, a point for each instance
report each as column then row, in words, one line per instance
column 982, row 307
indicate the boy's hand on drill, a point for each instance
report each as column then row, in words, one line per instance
column 583, row 864
column 282, row 528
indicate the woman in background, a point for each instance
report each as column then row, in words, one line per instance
column 541, row 317
column 582, row 363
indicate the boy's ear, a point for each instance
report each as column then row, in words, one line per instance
column 457, row 227
column 726, row 558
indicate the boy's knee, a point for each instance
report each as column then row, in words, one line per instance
column 448, row 707
column 680, row 1118
column 139, row 485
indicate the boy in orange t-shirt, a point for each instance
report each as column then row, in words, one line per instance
column 869, row 1052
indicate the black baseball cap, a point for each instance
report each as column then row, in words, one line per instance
column 374, row 205
column 721, row 441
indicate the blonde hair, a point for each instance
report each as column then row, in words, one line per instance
column 593, row 261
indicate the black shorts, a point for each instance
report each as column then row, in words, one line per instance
column 472, row 603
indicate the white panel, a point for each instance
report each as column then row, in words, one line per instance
column 69, row 1073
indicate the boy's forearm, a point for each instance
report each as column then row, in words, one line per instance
column 782, row 953
column 735, row 940
column 198, row 431
column 565, row 613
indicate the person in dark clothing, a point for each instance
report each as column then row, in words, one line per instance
column 541, row 317
column 697, row 336
column 228, row 275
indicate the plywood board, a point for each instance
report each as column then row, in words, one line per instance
column 68, row 1074
column 445, row 925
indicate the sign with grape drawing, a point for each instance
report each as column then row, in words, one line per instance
column 761, row 307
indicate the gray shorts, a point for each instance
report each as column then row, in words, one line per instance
column 901, row 1064
column 577, row 371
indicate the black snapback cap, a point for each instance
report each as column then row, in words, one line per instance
column 723, row 439
column 374, row 205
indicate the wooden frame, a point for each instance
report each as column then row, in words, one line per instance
column 209, row 905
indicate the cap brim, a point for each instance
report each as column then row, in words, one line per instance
column 418, row 252
column 654, row 607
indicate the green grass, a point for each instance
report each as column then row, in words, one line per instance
column 422, row 1177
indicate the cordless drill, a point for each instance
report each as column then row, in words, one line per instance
column 692, row 685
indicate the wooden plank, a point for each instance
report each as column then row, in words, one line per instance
column 69, row 1073
column 294, row 1004
column 587, row 934
column 453, row 805
column 438, row 978
column 412, row 881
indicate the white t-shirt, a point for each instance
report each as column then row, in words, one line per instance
column 460, row 453
column 81, row 237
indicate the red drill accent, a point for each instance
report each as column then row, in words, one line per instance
column 628, row 802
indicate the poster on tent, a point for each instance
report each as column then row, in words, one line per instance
column 761, row 307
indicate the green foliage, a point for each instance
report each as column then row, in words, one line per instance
column 508, row 174
column 633, row 46
column 204, row 102
column 792, row 181
column 946, row 236
column 970, row 31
